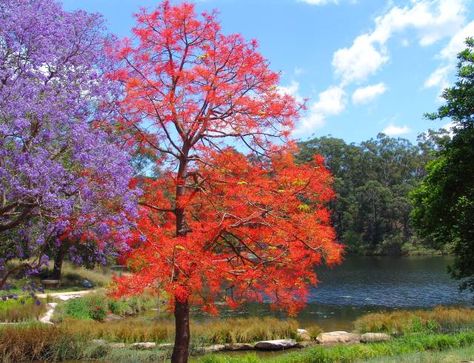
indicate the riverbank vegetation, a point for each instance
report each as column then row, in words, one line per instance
column 440, row 319
column 372, row 181
column 363, row 352
column 45, row 343
column 418, row 330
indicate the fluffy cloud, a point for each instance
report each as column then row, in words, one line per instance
column 440, row 76
column 292, row 90
column 366, row 94
column 431, row 19
column 330, row 102
column 393, row 130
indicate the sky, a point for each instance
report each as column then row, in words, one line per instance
column 363, row 66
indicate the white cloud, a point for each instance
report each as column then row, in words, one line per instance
column 439, row 77
column 366, row 94
column 448, row 55
column 393, row 130
column 360, row 60
column 292, row 90
column 330, row 102
column 431, row 19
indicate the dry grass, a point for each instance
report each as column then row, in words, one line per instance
column 36, row 343
column 22, row 309
column 440, row 319
column 210, row 332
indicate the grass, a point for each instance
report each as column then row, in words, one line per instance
column 20, row 310
column 96, row 306
column 72, row 276
column 202, row 333
column 71, row 280
column 450, row 356
column 440, row 319
column 409, row 344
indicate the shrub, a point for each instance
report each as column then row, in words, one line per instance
column 76, row 308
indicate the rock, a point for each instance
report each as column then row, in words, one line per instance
column 239, row 346
column 112, row 317
column 117, row 345
column 305, row 344
column 87, row 284
column 166, row 346
column 214, row 348
column 303, row 335
column 143, row 345
column 99, row 341
column 278, row 344
column 338, row 337
column 374, row 337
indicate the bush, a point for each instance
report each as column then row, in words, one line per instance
column 76, row 308
column 440, row 319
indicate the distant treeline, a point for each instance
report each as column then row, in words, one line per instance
column 372, row 181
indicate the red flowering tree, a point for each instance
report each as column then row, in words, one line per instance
column 231, row 216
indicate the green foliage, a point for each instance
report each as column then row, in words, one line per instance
column 22, row 309
column 372, row 181
column 440, row 319
column 97, row 306
column 444, row 202
column 77, row 308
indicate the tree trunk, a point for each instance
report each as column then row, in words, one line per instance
column 58, row 261
column 182, row 336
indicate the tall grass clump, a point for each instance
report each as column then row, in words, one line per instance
column 440, row 319
column 203, row 333
column 244, row 330
column 21, row 309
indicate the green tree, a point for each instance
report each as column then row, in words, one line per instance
column 372, row 181
column 444, row 202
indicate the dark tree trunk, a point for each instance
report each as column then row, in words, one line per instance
column 181, row 340
column 58, row 261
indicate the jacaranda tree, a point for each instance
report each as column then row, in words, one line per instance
column 62, row 172
column 231, row 216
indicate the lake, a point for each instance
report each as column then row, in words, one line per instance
column 368, row 284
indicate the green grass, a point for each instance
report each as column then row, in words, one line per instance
column 409, row 344
column 20, row 310
column 450, row 356
column 96, row 306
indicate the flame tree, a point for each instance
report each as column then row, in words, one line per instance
column 231, row 216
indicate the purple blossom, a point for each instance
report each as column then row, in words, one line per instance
column 60, row 165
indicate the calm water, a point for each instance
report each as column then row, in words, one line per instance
column 368, row 284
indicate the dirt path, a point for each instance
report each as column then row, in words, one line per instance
column 46, row 318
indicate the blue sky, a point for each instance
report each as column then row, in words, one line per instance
column 365, row 66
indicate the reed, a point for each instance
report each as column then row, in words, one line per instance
column 440, row 319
